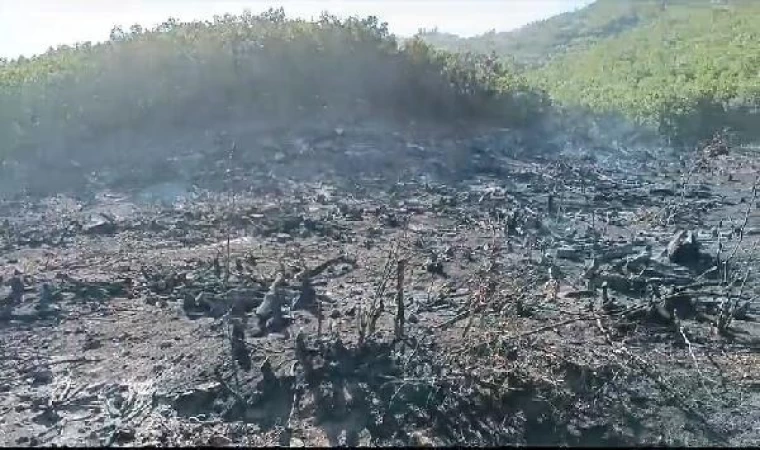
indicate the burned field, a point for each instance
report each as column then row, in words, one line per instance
column 359, row 289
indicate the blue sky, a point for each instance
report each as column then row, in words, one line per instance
column 31, row 26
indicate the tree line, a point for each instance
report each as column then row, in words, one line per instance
column 192, row 73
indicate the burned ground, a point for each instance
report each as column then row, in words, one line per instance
column 435, row 289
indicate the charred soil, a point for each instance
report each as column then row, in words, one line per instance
column 367, row 285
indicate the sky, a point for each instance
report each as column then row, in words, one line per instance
column 29, row 27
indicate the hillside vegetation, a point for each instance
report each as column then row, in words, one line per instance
column 687, row 68
column 540, row 42
column 247, row 66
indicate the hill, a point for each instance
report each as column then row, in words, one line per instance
column 542, row 41
column 689, row 72
column 687, row 68
column 181, row 76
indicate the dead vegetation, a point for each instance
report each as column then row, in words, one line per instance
column 534, row 307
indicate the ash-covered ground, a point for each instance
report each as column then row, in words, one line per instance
column 373, row 284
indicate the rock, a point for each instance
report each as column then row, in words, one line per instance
column 683, row 249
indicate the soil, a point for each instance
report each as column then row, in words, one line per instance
column 540, row 297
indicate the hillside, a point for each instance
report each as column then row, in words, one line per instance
column 542, row 41
column 691, row 71
column 188, row 76
column 687, row 68
column 264, row 232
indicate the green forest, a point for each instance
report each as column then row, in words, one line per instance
column 246, row 66
column 540, row 42
column 684, row 68
column 687, row 68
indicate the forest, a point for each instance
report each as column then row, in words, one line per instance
column 244, row 66
column 686, row 68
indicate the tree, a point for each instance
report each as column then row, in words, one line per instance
column 117, row 34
